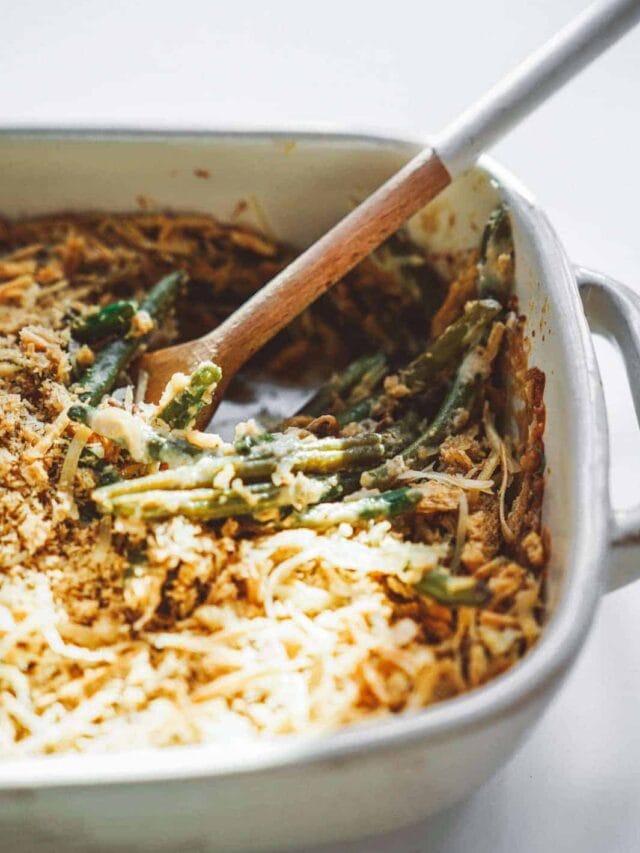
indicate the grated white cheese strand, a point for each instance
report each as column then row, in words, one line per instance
column 18, row 682
column 128, row 399
column 506, row 530
column 70, row 464
column 141, row 387
column 461, row 530
column 489, row 467
column 498, row 446
column 478, row 485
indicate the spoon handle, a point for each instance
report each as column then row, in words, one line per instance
column 531, row 82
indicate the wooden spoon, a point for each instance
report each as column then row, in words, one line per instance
column 454, row 150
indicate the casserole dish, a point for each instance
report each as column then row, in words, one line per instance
column 373, row 777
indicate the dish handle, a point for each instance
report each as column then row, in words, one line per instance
column 613, row 310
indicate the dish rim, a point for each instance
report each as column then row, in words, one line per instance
column 562, row 636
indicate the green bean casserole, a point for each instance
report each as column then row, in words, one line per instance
column 379, row 550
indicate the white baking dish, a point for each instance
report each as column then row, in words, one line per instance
column 364, row 779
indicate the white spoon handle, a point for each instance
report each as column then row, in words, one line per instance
column 531, row 82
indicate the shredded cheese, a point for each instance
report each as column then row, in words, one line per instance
column 128, row 399
column 461, row 530
column 480, row 485
column 506, row 530
column 70, row 464
column 501, row 452
column 141, row 387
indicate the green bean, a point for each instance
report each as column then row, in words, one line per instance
column 451, row 417
column 359, row 411
column 202, row 503
column 100, row 378
column 401, row 432
column 196, row 475
column 113, row 319
column 142, row 442
column 439, row 356
column 448, row 347
column 386, row 505
column 181, row 410
column 280, row 444
column 496, row 265
column 370, row 379
column 323, row 456
column 453, row 413
column 211, row 503
column 320, row 456
column 362, row 370
column 248, row 443
column 453, row 589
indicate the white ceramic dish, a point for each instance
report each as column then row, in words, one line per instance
column 371, row 778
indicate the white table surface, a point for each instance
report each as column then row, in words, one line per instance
column 404, row 68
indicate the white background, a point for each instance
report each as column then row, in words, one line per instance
column 404, row 68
